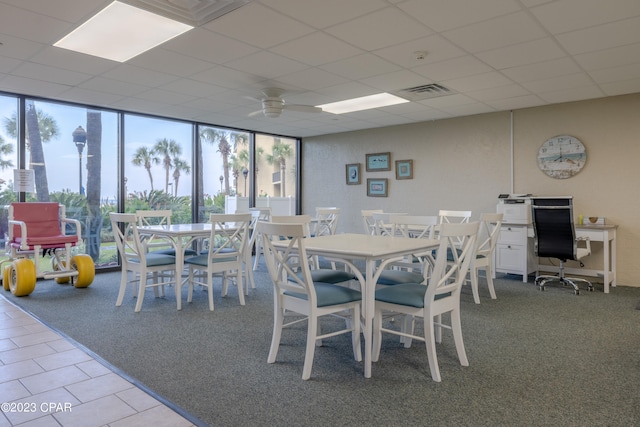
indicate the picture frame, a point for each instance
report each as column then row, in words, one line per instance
column 378, row 162
column 353, row 174
column 404, row 169
column 377, row 187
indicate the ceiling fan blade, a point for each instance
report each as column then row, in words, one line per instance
column 302, row 108
column 255, row 113
column 252, row 98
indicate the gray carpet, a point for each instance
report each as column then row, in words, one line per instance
column 536, row 358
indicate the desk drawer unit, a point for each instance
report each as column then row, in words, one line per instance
column 514, row 251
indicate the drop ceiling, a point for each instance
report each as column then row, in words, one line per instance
column 489, row 55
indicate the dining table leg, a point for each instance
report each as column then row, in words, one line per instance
column 368, row 309
column 179, row 268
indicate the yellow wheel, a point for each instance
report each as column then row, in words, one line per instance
column 83, row 264
column 5, row 276
column 56, row 267
column 22, row 277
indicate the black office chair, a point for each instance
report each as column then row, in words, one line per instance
column 555, row 237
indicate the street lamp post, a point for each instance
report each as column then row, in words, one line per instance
column 245, row 172
column 221, row 181
column 80, row 139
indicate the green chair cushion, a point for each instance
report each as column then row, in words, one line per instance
column 154, row 259
column 329, row 294
column 408, row 294
column 328, row 275
column 397, row 277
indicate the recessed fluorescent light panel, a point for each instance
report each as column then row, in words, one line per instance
column 363, row 103
column 119, row 32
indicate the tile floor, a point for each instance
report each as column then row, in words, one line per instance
column 45, row 380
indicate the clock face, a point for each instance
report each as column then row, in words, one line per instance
column 562, row 157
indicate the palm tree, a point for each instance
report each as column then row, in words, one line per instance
column 280, row 152
column 5, row 149
column 144, row 156
column 167, row 148
column 224, row 148
column 179, row 166
column 94, row 182
column 41, row 128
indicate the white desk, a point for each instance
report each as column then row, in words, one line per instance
column 596, row 233
column 373, row 250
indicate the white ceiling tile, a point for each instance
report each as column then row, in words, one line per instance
column 101, row 84
column 55, row 75
column 170, row 62
column 368, row 32
column 32, row 26
column 569, row 81
column 225, row 77
column 477, row 82
column 26, row 86
column 605, row 36
column 442, row 15
column 139, row 76
column 448, row 101
column 316, row 48
column 360, row 67
column 453, row 68
column 607, row 58
column 9, row 64
column 193, row 87
column 312, row 78
column 572, row 94
column 621, row 87
column 209, row 46
column 568, row 15
column 495, row 33
column 610, row 75
column 266, row 65
column 70, row 60
column 516, row 103
column 502, row 92
column 19, row 48
column 396, row 80
column 542, row 70
column 530, row 52
column 258, row 26
column 436, row 47
column 325, row 13
column 91, row 97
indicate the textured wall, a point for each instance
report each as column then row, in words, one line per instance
column 464, row 163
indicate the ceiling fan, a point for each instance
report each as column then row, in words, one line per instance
column 273, row 104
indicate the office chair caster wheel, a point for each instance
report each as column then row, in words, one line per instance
column 22, row 277
column 57, row 267
column 5, row 277
column 83, row 264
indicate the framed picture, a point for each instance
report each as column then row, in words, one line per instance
column 378, row 162
column 377, row 187
column 353, row 174
column 404, row 169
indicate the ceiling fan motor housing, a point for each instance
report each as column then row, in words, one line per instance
column 272, row 107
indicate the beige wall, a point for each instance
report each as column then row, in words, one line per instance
column 464, row 163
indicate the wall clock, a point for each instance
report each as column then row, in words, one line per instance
column 562, row 156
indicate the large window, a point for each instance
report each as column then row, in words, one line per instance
column 224, row 166
column 157, row 166
column 96, row 161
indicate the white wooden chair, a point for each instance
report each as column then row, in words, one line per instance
column 295, row 291
column 441, row 295
column 255, row 244
column 136, row 260
column 326, row 221
column 490, row 224
column 367, row 220
column 225, row 254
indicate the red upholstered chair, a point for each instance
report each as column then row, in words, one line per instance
column 33, row 229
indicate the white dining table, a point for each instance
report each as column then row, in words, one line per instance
column 377, row 252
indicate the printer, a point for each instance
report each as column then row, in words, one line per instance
column 515, row 209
